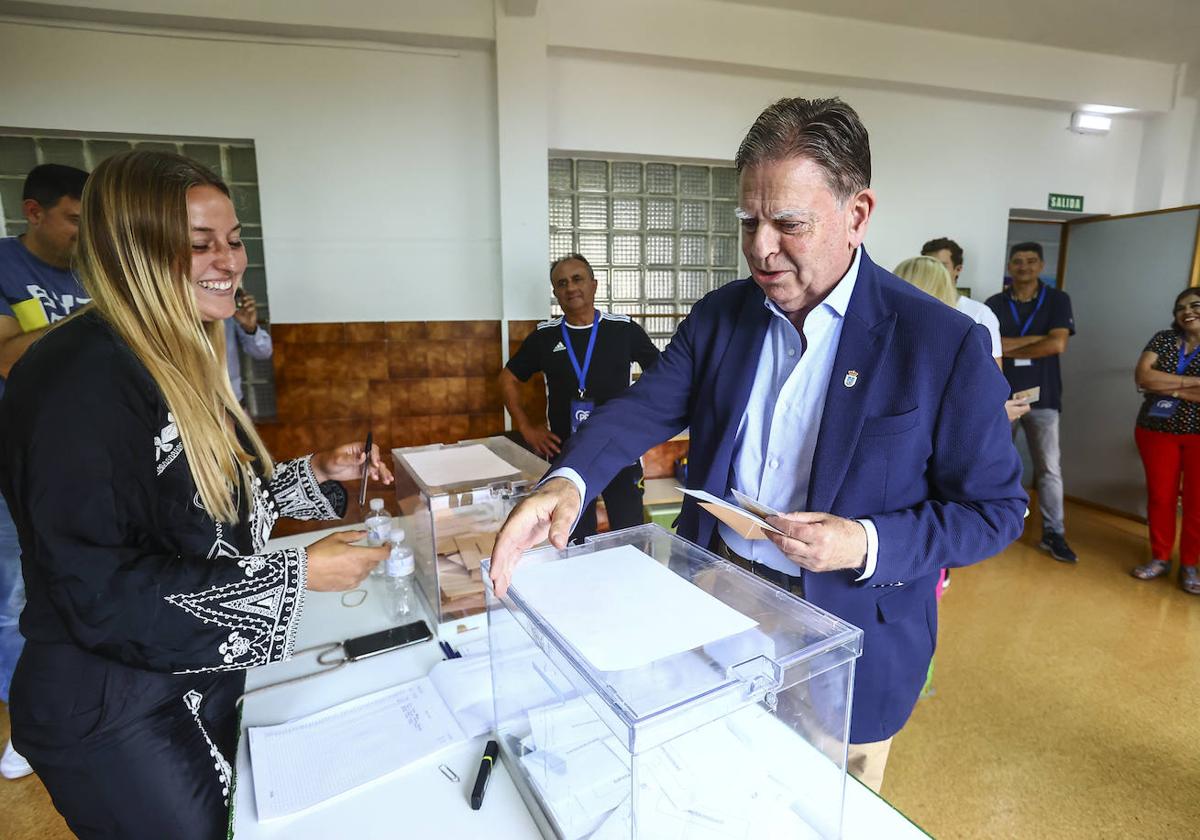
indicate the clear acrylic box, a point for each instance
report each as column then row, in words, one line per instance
column 743, row 736
column 451, row 524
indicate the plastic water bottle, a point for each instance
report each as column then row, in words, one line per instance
column 398, row 577
column 379, row 523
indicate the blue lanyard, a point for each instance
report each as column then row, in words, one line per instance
column 1184, row 361
column 581, row 373
column 1017, row 319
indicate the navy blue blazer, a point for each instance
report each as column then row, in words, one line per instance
column 920, row 444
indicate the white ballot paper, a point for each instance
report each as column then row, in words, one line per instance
column 458, row 464
column 622, row 609
column 306, row 761
column 753, row 505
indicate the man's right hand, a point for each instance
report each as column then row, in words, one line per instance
column 544, row 442
column 335, row 566
column 551, row 511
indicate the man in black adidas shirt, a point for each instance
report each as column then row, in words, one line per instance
column 585, row 345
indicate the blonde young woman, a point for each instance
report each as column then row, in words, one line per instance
column 143, row 498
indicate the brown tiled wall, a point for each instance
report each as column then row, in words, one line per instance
column 533, row 392
column 409, row 382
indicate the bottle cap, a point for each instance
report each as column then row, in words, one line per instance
column 396, row 535
column 377, row 504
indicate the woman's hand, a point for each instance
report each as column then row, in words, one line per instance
column 335, row 566
column 344, row 463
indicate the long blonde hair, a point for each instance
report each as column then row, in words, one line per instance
column 930, row 276
column 134, row 260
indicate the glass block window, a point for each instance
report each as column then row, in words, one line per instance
column 660, row 235
column 233, row 160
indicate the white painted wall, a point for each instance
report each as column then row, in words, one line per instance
column 377, row 167
column 382, row 185
column 943, row 166
column 751, row 35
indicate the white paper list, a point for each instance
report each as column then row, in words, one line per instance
column 309, row 760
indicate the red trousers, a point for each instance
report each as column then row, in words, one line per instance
column 1165, row 456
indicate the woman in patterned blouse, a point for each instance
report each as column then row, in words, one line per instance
column 143, row 498
column 1168, row 438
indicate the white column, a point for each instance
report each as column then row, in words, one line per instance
column 521, row 99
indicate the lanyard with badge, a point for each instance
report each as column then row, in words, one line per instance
column 581, row 409
column 1164, row 407
column 1028, row 323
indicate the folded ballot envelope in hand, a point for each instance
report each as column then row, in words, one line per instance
column 742, row 519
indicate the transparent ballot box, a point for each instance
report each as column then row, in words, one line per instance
column 453, row 499
column 645, row 688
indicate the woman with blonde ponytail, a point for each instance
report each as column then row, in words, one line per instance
column 143, row 497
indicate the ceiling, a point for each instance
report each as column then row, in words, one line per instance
column 1158, row 30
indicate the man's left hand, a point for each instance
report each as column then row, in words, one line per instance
column 246, row 314
column 345, row 462
column 820, row 542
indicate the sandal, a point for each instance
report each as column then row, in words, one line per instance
column 1189, row 580
column 1151, row 570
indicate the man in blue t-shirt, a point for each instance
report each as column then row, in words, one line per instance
column 1035, row 323
column 37, row 288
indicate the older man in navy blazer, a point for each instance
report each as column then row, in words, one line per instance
column 826, row 386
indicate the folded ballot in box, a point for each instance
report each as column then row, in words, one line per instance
column 645, row 688
column 454, row 498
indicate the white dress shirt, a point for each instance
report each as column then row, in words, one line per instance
column 777, row 436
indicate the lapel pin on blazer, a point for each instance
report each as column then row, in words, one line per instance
column 851, row 378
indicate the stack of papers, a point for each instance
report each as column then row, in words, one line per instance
column 458, row 465
column 306, row 761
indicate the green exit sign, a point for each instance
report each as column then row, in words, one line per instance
column 1071, row 203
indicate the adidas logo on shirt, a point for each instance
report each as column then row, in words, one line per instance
column 557, row 347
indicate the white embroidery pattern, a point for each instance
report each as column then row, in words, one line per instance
column 260, row 610
column 297, row 493
column 167, row 445
column 192, row 700
column 221, row 547
column 263, row 516
column 235, row 647
column 252, row 565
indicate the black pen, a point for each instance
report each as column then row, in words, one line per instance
column 362, row 491
column 485, row 772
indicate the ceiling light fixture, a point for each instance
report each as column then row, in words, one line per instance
column 1083, row 122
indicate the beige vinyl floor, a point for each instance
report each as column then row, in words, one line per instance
column 1066, row 703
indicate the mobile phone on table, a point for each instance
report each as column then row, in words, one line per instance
column 394, row 638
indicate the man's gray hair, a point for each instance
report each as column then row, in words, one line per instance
column 826, row 131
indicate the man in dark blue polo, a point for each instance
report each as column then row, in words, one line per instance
column 1035, row 323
